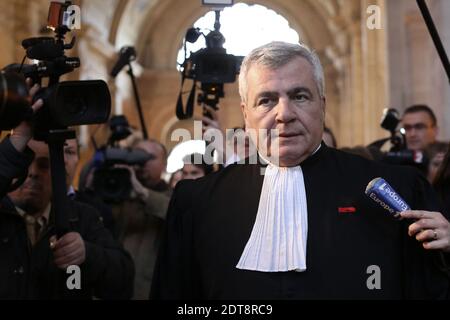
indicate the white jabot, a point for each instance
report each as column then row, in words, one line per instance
column 278, row 239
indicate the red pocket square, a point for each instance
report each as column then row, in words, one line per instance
column 346, row 209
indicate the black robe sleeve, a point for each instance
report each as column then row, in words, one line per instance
column 174, row 276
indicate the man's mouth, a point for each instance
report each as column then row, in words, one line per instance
column 32, row 188
column 288, row 135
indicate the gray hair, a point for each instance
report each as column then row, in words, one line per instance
column 277, row 54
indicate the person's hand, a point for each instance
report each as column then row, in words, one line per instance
column 69, row 250
column 209, row 123
column 211, row 128
column 23, row 132
column 432, row 229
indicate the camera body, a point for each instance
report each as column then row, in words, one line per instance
column 113, row 184
column 211, row 66
column 69, row 103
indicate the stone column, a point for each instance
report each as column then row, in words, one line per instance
column 374, row 74
column 7, row 38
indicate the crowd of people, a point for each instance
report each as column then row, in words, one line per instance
column 294, row 224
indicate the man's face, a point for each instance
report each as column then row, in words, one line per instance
column 191, row 171
column 70, row 159
column 420, row 131
column 286, row 99
column 35, row 193
column 150, row 173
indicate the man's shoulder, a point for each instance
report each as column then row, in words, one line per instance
column 82, row 211
column 358, row 163
column 204, row 186
column 351, row 158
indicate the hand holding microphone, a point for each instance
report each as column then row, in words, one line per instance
column 430, row 228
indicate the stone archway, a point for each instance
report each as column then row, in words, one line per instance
column 169, row 20
column 349, row 53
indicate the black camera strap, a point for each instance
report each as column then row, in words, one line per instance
column 181, row 114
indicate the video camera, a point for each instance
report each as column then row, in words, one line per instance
column 398, row 153
column 66, row 104
column 211, row 66
column 112, row 183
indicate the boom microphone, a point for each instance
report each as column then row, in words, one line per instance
column 126, row 55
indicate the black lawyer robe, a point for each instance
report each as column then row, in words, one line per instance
column 210, row 221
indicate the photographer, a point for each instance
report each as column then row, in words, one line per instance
column 15, row 157
column 139, row 220
column 420, row 125
column 150, row 175
column 138, row 212
column 33, row 261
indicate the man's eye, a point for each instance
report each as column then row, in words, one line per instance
column 301, row 97
column 264, row 101
column 69, row 152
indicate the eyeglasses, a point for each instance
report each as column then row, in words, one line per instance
column 416, row 127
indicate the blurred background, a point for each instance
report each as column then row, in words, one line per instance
column 366, row 70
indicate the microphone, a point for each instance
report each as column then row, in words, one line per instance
column 126, row 54
column 43, row 48
column 382, row 193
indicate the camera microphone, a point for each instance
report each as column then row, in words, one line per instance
column 43, row 48
column 126, row 55
column 382, row 193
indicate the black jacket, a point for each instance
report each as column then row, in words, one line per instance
column 29, row 272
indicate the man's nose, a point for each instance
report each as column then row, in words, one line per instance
column 411, row 132
column 33, row 170
column 285, row 112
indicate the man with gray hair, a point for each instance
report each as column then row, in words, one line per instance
column 304, row 229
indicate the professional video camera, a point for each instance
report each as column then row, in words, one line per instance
column 66, row 104
column 398, row 152
column 211, row 66
column 112, row 183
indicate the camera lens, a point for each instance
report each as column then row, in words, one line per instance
column 112, row 184
column 77, row 107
